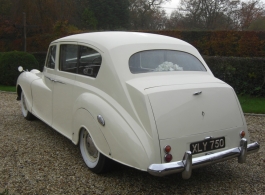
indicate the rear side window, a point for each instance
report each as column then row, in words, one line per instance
column 163, row 61
column 89, row 62
column 51, row 57
column 80, row 60
column 69, row 58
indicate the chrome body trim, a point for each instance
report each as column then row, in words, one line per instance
column 53, row 80
column 49, row 78
column 56, row 81
column 188, row 163
column 101, row 120
column 206, row 138
column 243, row 151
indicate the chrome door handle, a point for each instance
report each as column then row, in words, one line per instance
column 197, row 93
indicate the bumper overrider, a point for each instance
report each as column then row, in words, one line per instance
column 188, row 163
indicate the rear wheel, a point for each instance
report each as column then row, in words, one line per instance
column 27, row 114
column 95, row 161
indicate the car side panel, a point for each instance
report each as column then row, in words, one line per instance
column 63, row 103
column 42, row 99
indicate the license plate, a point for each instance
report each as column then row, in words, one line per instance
column 207, row 145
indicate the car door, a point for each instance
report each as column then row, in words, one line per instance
column 42, row 89
column 63, row 89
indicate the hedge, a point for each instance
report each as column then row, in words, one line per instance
column 9, row 63
column 245, row 75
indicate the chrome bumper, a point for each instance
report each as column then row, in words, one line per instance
column 188, row 163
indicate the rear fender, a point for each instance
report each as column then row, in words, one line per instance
column 83, row 119
column 123, row 140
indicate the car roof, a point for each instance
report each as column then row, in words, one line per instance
column 109, row 40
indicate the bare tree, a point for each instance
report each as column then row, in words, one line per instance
column 146, row 14
column 247, row 12
column 205, row 14
column 175, row 21
column 216, row 14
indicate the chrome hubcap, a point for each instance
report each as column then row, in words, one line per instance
column 90, row 146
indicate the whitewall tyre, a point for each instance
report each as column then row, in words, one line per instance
column 95, row 161
column 27, row 115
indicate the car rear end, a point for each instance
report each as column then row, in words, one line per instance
column 198, row 118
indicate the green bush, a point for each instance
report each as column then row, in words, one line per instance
column 9, row 63
column 245, row 75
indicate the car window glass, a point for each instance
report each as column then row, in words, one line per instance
column 68, row 58
column 89, row 62
column 51, row 57
column 164, row 60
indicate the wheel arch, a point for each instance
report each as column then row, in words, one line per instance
column 84, row 120
column 24, row 84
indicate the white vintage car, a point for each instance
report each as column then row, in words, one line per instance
column 147, row 101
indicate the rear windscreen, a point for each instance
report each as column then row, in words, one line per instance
column 164, row 60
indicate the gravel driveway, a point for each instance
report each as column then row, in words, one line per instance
column 35, row 159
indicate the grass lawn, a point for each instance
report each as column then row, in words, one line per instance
column 252, row 104
column 8, row 88
column 249, row 104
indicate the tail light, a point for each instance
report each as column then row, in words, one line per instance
column 168, row 157
column 167, row 149
column 242, row 134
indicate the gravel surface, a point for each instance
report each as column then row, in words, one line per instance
column 35, row 159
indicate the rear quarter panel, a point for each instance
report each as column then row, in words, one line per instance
column 129, row 143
